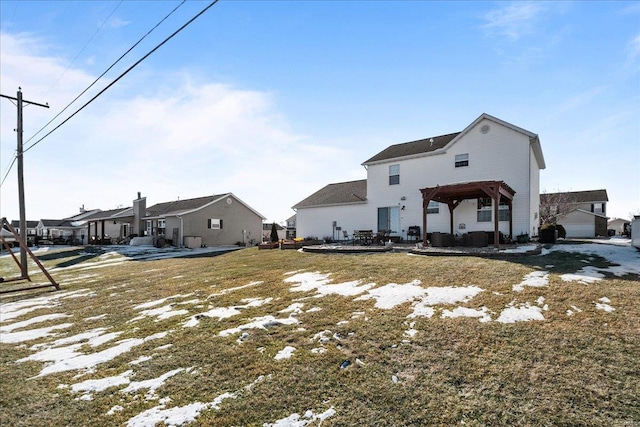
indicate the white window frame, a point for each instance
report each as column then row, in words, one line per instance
column 484, row 205
column 215, row 224
column 433, row 207
column 394, row 174
column 462, row 160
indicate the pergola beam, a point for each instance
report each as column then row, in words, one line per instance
column 454, row 194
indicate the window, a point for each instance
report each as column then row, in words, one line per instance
column 394, row 174
column 389, row 218
column 503, row 211
column 433, row 208
column 161, row 227
column 462, row 160
column 598, row 208
column 149, row 228
column 214, row 224
column 484, row 209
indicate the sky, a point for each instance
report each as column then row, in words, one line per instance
column 273, row 100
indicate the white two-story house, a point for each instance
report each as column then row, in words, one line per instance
column 484, row 178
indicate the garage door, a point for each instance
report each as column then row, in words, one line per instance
column 580, row 230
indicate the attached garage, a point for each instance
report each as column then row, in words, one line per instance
column 579, row 223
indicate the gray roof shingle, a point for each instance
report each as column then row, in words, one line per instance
column 579, row 196
column 413, row 148
column 335, row 194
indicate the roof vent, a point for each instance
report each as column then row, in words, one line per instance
column 485, row 129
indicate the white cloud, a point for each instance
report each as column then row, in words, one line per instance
column 166, row 135
column 513, row 20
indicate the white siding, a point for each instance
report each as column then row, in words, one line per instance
column 579, row 224
column 318, row 222
column 501, row 154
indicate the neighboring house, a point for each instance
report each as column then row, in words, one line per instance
column 619, row 226
column 32, row 230
column 69, row 229
column 581, row 213
column 291, row 227
column 266, row 232
column 215, row 220
column 111, row 226
column 452, row 183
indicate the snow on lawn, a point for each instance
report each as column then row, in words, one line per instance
column 535, row 279
column 259, row 323
column 226, row 312
column 12, row 310
column 31, row 334
column 585, row 275
column 616, row 251
column 604, row 305
column 177, row 415
column 285, row 353
column 295, row 420
column 320, row 283
column 482, row 313
column 520, row 313
column 68, row 358
column 37, row 319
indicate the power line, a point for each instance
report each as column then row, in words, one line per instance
column 106, row 71
column 125, row 73
column 86, row 44
column 8, row 170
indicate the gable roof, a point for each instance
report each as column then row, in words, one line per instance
column 30, row 224
column 266, row 226
column 577, row 196
column 104, row 215
column 438, row 144
column 413, row 148
column 350, row 192
column 180, row 207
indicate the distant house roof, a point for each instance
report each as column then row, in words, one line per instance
column 412, row 148
column 179, row 207
column 111, row 214
column 59, row 223
column 335, row 194
column 588, row 196
column 30, row 224
column 266, row 226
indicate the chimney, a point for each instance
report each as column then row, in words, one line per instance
column 139, row 194
column 82, row 210
column 139, row 212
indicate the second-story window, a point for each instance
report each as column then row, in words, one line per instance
column 394, row 174
column 462, row 160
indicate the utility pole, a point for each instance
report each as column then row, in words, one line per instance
column 19, row 158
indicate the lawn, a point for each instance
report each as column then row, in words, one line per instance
column 286, row 338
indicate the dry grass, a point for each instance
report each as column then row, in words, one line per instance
column 565, row 370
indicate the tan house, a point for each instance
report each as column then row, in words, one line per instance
column 216, row 220
column 619, row 226
column 582, row 213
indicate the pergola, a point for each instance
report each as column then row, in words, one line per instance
column 453, row 194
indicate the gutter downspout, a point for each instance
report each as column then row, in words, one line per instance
column 181, row 231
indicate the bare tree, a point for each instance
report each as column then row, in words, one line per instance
column 554, row 206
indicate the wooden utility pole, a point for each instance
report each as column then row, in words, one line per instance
column 19, row 158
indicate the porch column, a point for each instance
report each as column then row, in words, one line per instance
column 496, row 218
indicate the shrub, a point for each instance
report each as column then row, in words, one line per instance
column 274, row 233
column 547, row 233
column 562, row 233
